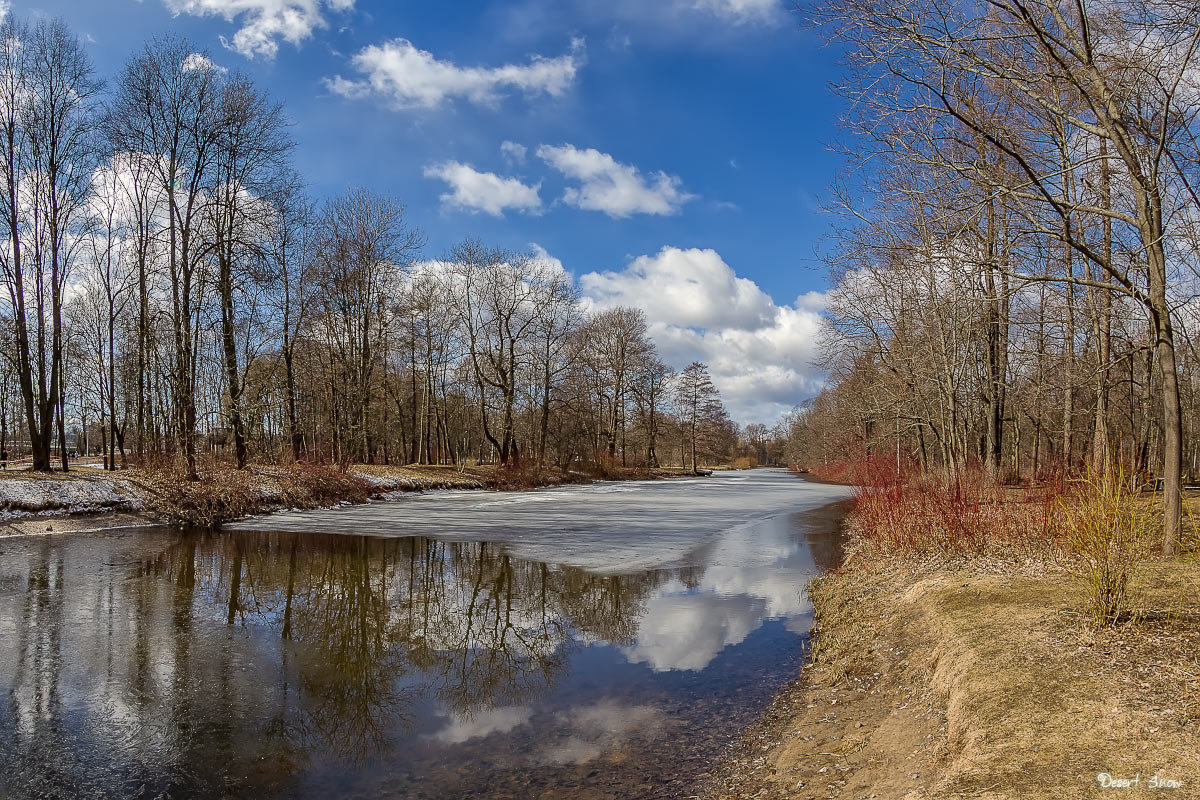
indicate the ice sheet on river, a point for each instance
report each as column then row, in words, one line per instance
column 605, row 527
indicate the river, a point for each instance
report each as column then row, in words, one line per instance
column 583, row 642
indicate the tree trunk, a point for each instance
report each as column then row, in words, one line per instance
column 1172, row 454
column 229, row 350
column 1101, row 455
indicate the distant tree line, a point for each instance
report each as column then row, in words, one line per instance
column 1016, row 271
column 172, row 293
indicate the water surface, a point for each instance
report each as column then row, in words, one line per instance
column 582, row 642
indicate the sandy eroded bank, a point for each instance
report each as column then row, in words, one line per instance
column 965, row 683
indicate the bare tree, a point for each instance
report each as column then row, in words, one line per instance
column 167, row 105
column 289, row 263
column 48, row 122
column 113, row 282
column 697, row 400
column 212, row 306
column 650, row 381
column 251, row 158
column 1023, row 77
column 361, row 249
column 558, row 316
column 617, row 340
column 495, row 294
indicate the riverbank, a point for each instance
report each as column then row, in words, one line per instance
column 35, row 502
column 983, row 676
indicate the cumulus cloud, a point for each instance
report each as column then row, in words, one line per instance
column 263, row 22
column 690, row 288
column 593, row 730
column 472, row 190
column 762, row 355
column 542, row 255
column 761, row 374
column 682, row 630
column 607, row 185
column 752, row 575
column 407, row 77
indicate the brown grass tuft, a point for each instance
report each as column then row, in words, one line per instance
column 1110, row 529
column 223, row 494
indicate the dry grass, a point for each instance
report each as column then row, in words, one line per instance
column 1098, row 528
column 516, row 478
column 1111, row 528
column 224, row 494
column 417, row 477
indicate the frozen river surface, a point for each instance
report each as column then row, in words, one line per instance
column 597, row 641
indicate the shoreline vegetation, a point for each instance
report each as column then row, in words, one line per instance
column 33, row 501
column 959, row 652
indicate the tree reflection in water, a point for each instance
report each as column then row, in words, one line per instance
column 370, row 626
column 201, row 663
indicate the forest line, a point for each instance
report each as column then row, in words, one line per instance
column 173, row 293
column 1016, row 262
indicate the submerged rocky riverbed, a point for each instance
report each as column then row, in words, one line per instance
column 594, row 641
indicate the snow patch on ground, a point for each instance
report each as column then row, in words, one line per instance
column 381, row 482
column 25, row 494
column 392, row 484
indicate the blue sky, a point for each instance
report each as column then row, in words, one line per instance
column 672, row 154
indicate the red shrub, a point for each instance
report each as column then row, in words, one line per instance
column 965, row 512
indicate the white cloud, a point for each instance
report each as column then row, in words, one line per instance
column 411, row 78
column 5, row 8
column 761, row 374
column 263, row 22
column 513, row 152
column 682, row 630
column 607, row 185
column 542, row 255
column 741, row 11
column 488, row 192
column 690, row 288
column 593, row 730
column 199, row 61
column 752, row 576
column 762, row 355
